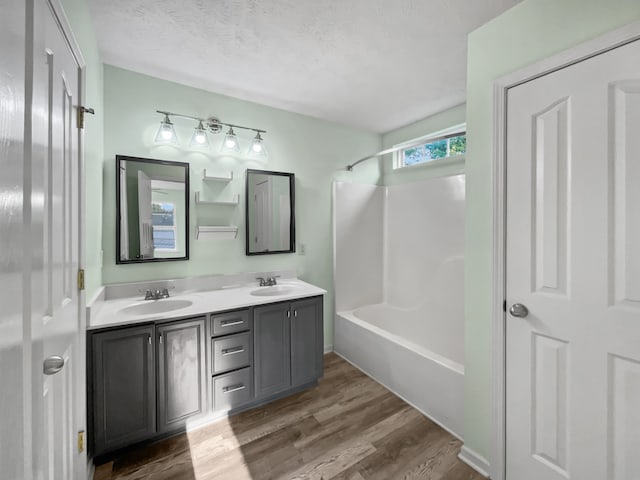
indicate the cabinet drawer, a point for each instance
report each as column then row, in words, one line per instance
column 230, row 322
column 232, row 389
column 230, row 353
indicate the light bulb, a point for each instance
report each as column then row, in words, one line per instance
column 257, row 150
column 166, row 132
column 199, row 138
column 230, row 143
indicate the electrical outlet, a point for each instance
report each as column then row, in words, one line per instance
column 302, row 249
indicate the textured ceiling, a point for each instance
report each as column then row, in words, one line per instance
column 373, row 64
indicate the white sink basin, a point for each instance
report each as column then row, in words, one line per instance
column 156, row 306
column 274, row 291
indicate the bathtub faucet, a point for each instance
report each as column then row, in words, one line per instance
column 268, row 282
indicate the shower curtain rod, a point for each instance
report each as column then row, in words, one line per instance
column 404, row 146
column 379, row 154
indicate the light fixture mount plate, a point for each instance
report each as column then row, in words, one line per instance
column 213, row 124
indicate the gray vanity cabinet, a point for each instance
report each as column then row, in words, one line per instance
column 307, row 341
column 124, row 387
column 182, row 379
column 147, row 380
column 271, row 340
column 288, row 345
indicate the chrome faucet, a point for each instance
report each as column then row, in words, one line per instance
column 156, row 294
column 268, row 282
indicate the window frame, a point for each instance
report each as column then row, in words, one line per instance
column 166, row 228
column 450, row 132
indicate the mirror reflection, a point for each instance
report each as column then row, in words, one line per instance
column 270, row 212
column 152, row 210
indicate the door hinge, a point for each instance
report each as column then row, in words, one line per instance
column 504, row 305
column 81, row 441
column 81, row 111
column 81, row 279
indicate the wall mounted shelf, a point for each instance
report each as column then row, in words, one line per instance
column 227, row 203
column 216, row 232
column 216, row 178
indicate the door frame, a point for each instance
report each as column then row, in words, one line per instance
column 591, row 48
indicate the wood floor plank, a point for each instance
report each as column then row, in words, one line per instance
column 349, row 427
column 461, row 471
column 434, row 461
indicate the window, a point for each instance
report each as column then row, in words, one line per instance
column 163, row 219
column 447, row 143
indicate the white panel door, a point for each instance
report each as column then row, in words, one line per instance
column 55, row 257
column 285, row 222
column 15, row 374
column 124, row 214
column 144, row 215
column 573, row 259
column 262, row 234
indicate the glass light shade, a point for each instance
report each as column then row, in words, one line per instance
column 230, row 143
column 257, row 148
column 166, row 133
column 199, row 138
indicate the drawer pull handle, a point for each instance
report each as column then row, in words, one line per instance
column 232, row 350
column 230, row 323
column 234, row 388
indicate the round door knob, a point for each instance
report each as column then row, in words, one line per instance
column 52, row 365
column 519, row 310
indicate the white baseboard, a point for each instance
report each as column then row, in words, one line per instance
column 328, row 348
column 91, row 469
column 475, row 461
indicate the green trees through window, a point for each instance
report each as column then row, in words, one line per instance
column 443, row 148
column 163, row 219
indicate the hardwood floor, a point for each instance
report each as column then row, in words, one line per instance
column 348, row 427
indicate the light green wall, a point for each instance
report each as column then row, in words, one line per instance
column 416, row 173
column 532, row 30
column 77, row 13
column 316, row 151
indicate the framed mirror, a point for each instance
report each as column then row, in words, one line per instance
column 270, row 212
column 152, row 210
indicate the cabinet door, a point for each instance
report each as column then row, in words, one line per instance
column 181, row 373
column 307, row 342
column 124, row 387
column 272, row 362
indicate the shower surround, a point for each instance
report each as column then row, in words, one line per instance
column 399, row 280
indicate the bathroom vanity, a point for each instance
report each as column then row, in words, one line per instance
column 155, row 374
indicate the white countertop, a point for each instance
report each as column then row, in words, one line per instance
column 110, row 313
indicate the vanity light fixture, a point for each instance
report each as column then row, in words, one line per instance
column 166, row 133
column 199, row 139
column 230, row 142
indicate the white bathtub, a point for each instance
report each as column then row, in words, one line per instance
column 412, row 352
